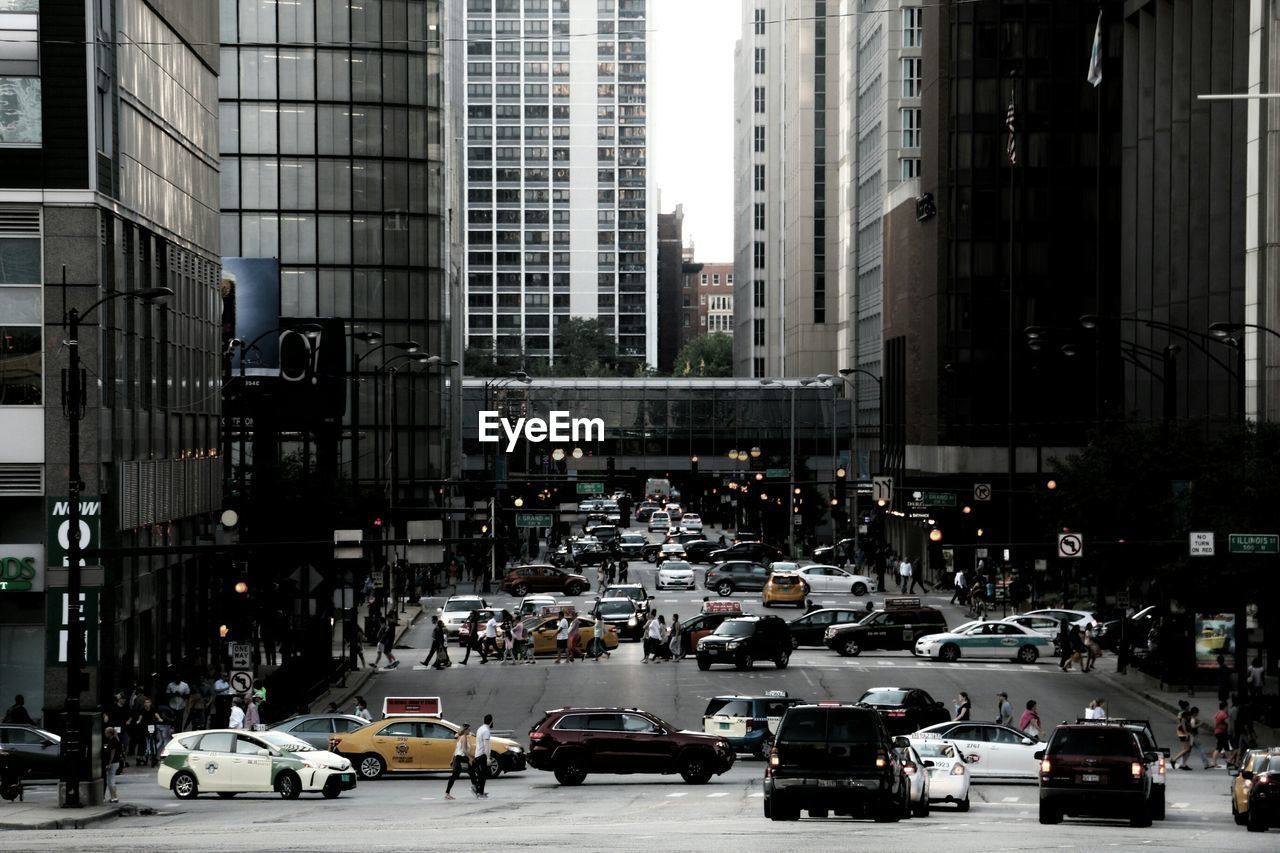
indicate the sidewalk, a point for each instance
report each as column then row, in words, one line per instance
column 343, row 694
column 25, row 816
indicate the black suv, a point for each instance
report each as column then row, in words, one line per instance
column 744, row 641
column 897, row 626
column 834, row 757
column 634, row 591
column 1099, row 771
column 1146, row 740
column 572, row 742
column 621, row 613
column 700, row 550
column 756, row 552
column 735, row 576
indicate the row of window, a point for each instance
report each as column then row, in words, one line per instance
column 714, row 279
column 719, row 323
column 20, row 91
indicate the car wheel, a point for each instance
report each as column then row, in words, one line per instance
column 859, row 588
column 850, row 648
column 1141, row 817
column 371, row 766
column 963, row 805
column 745, row 661
column 782, row 660
column 1254, row 822
column 921, row 809
column 783, row 810
column 330, row 792
column 890, row 813
column 289, row 785
column 1049, row 815
column 184, row 786
column 725, row 588
column 520, row 590
column 949, row 653
column 1235, row 813
column 704, row 664
column 574, row 588
column 652, row 558
column 795, row 642
column 767, row 603
column 1028, row 654
column 696, row 768
column 495, row 767
column 571, row 771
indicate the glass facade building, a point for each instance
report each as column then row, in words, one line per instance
column 332, row 161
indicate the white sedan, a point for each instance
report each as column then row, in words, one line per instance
column 675, row 574
column 1081, row 618
column 1046, row 625
column 949, row 777
column 991, row 751
column 986, row 640
column 833, row 579
column 691, row 522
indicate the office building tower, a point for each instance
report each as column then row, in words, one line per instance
column 561, row 212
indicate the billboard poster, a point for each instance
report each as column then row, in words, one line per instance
column 1215, row 634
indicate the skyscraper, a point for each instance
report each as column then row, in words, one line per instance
column 561, row 214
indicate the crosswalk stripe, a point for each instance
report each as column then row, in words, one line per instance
column 709, row 796
column 756, row 794
column 677, row 794
column 1178, row 805
column 1011, row 799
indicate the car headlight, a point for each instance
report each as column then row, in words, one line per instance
column 631, row 622
column 830, row 632
column 515, row 749
column 735, row 644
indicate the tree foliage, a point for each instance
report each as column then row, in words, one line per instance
column 583, row 348
column 705, row 355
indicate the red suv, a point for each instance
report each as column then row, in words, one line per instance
column 1099, row 771
column 573, row 742
column 523, row 580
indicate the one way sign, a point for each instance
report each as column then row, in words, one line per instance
column 1070, row 545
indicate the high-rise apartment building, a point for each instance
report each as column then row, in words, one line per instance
column 108, row 187
column 332, row 161
column 561, row 213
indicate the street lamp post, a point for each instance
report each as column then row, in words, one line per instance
column 1233, row 334
column 845, row 373
column 791, row 462
column 409, row 347
column 74, row 403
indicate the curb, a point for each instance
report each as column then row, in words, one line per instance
column 125, row 810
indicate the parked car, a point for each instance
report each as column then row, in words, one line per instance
column 1095, row 771
column 809, row 629
column 232, row 761
column 735, row 576
column 317, row 729
column 523, row 580
column 834, row 757
column 575, row 742
column 745, row 640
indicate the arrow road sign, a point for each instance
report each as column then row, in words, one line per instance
column 882, row 489
column 982, row 491
column 1070, row 545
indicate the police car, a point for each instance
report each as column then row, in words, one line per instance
column 232, row 761
column 986, row 640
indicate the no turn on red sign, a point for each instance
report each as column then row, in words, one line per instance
column 1070, row 545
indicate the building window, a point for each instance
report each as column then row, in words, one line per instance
column 758, row 255
column 759, row 139
column 910, row 127
column 758, row 366
column 759, row 60
column 758, row 328
column 20, row 99
column 911, row 77
column 759, row 99
column 759, row 181
column 728, row 279
column 757, row 288
column 21, row 312
column 759, row 215
column 715, row 279
column 910, row 168
column 759, row 22
column 704, row 278
column 912, row 27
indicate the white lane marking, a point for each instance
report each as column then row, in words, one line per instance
column 709, row 796
column 756, row 794
column 1179, row 805
column 1010, row 799
column 677, row 794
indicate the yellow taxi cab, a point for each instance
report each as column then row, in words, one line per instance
column 542, row 630
column 1242, row 781
column 417, row 743
column 784, row 588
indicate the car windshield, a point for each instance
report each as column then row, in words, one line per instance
column 734, row 628
column 286, row 742
column 884, row 697
column 464, row 604
column 676, row 566
column 935, row 749
column 627, row 593
column 613, row 608
column 1093, row 741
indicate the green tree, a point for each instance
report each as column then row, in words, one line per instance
column 583, row 348
column 705, row 355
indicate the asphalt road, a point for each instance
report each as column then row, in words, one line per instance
column 529, row 810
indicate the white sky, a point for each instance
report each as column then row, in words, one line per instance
column 691, row 80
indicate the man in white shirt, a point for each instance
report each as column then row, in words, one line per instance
column 237, row 714
column 959, row 586
column 178, row 691
column 904, row 576
column 562, row 636
column 484, row 738
column 491, row 635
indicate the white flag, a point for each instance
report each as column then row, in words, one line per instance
column 1095, row 56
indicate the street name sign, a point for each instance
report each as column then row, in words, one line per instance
column 591, row 488
column 777, row 473
column 533, row 519
column 1254, row 543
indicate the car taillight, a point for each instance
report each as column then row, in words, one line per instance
column 534, row 736
column 1262, row 779
column 957, row 770
column 1162, row 766
column 897, row 713
column 881, row 759
column 333, row 743
column 909, row 769
column 1136, row 769
column 1045, row 766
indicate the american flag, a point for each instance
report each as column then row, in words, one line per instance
column 1011, row 147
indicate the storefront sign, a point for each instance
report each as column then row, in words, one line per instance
column 56, row 619
column 21, row 568
column 60, row 527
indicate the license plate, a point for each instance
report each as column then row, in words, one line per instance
column 1090, row 777
column 724, row 727
column 346, row 777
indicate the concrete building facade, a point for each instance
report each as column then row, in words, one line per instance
column 561, row 212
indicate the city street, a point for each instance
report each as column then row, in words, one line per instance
column 530, row 810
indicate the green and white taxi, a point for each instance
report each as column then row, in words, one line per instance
column 231, row 761
column 986, row 640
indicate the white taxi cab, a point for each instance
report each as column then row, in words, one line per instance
column 949, row 779
column 232, row 761
column 991, row 750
